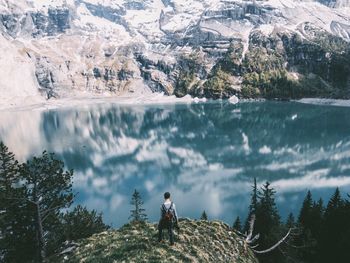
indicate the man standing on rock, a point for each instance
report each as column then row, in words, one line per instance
column 168, row 217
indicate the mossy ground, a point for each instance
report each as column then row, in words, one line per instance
column 197, row 241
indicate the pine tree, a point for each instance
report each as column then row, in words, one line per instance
column 16, row 235
column 333, row 240
column 204, row 216
column 31, row 199
column 48, row 190
column 76, row 224
column 290, row 223
column 138, row 214
column 268, row 224
column 253, row 205
column 8, row 173
column 305, row 211
column 237, row 225
column 317, row 218
column 306, row 220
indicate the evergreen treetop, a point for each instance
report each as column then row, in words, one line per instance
column 237, row 225
column 305, row 209
column 138, row 213
column 290, row 223
column 204, row 216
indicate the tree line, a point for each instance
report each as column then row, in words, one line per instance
column 34, row 217
column 321, row 232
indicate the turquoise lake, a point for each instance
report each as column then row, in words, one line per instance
column 205, row 154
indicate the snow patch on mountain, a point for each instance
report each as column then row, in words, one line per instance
column 120, row 46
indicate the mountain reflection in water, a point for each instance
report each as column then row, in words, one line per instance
column 205, row 154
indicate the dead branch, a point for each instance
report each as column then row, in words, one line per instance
column 275, row 245
column 251, row 228
column 250, row 239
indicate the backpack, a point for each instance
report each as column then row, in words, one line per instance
column 168, row 215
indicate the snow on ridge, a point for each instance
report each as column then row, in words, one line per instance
column 153, row 27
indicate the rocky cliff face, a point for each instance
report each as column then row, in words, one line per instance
column 209, row 48
column 197, row 241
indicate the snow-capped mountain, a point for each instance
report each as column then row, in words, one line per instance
column 210, row 48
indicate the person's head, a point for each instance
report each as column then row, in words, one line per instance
column 166, row 195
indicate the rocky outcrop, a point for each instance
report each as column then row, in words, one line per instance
column 197, row 241
column 212, row 49
column 335, row 3
column 55, row 21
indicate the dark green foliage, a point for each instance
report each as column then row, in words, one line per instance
column 218, row 85
column 283, row 66
column 290, row 223
column 48, row 189
column 16, row 232
column 290, row 251
column 320, row 235
column 231, row 61
column 32, row 197
column 76, row 224
column 321, row 66
column 237, row 225
column 334, row 239
column 268, row 223
column 138, row 213
column 82, row 223
column 310, row 219
column 269, row 84
column 204, row 216
column 305, row 210
column 191, row 69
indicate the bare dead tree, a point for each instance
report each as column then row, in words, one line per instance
column 250, row 239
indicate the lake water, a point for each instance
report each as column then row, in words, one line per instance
column 205, row 154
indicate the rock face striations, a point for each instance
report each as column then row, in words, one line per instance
column 198, row 241
column 215, row 48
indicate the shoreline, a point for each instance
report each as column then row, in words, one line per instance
column 325, row 102
column 149, row 99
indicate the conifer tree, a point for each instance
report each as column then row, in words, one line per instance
column 333, row 239
column 76, row 224
column 237, row 225
column 204, row 216
column 306, row 241
column 31, row 198
column 317, row 218
column 16, row 233
column 268, row 223
column 304, row 215
column 290, row 223
column 48, row 189
column 8, row 174
column 138, row 213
